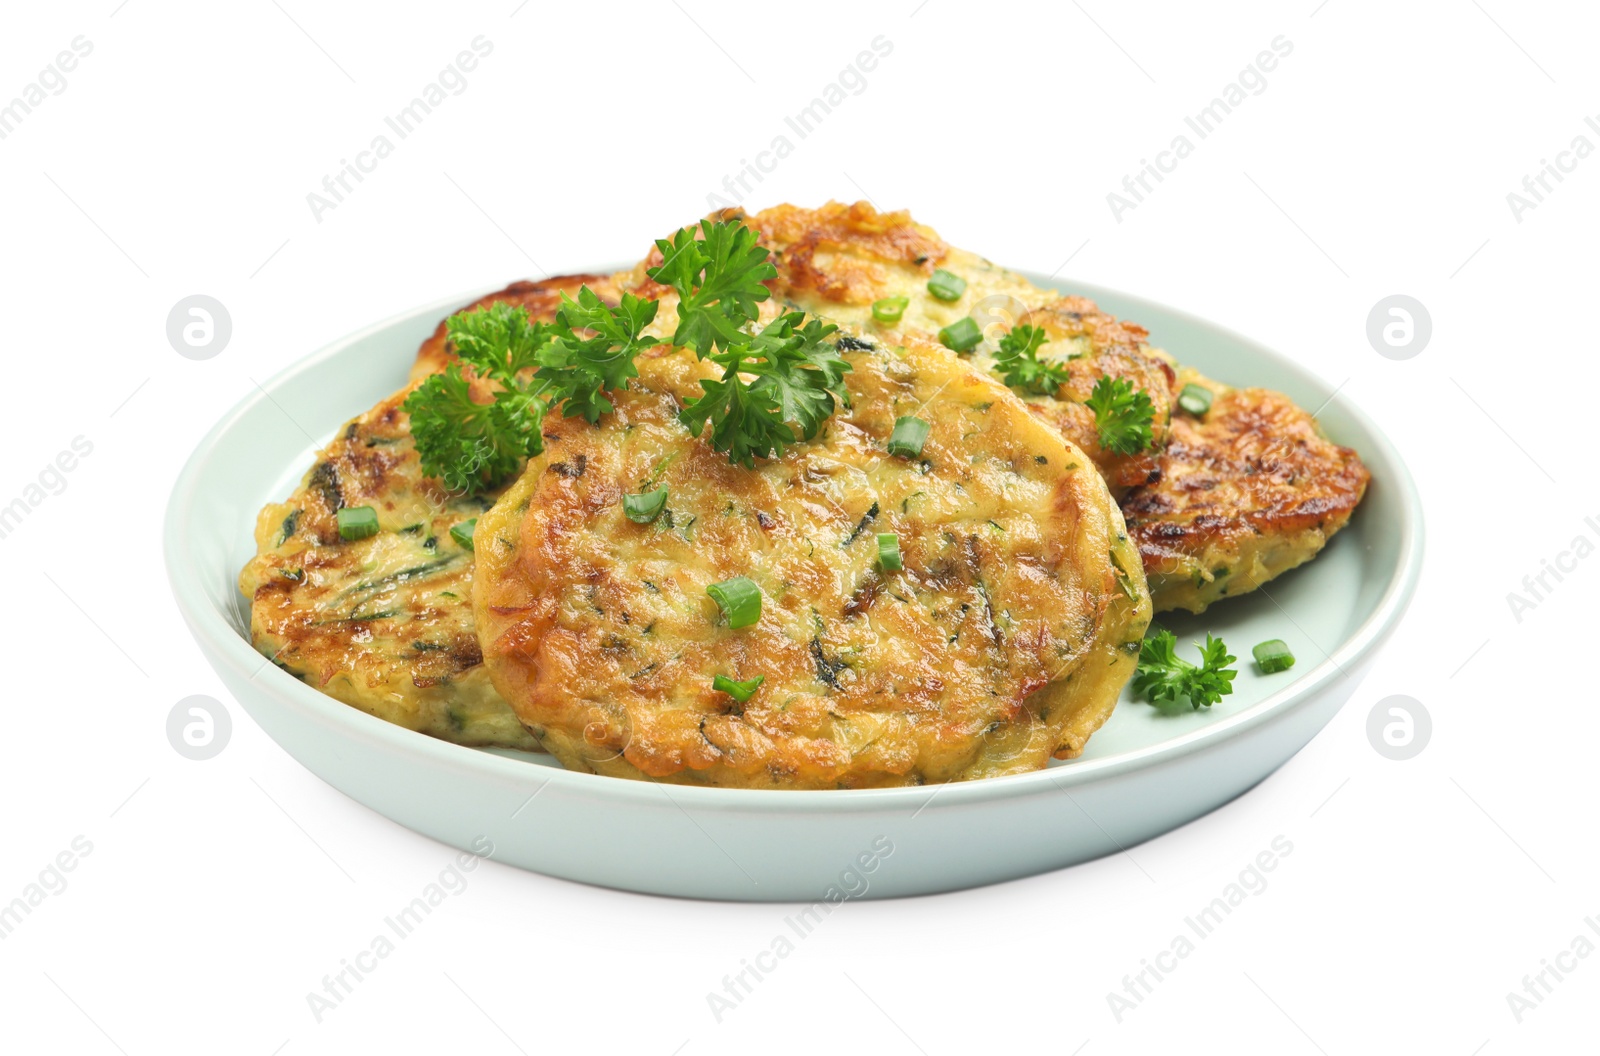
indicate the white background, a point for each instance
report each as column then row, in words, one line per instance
column 1377, row 161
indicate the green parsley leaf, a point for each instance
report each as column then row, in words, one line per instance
column 719, row 271
column 798, row 381
column 804, row 372
column 719, row 280
column 499, row 341
column 745, row 424
column 1017, row 362
column 574, row 370
column 1164, row 676
column 1123, row 415
column 470, row 446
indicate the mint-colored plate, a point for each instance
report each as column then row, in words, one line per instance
column 1143, row 774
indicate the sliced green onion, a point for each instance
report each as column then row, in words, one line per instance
column 961, row 335
column 890, row 309
column 462, row 533
column 909, row 435
column 645, row 506
column 1273, row 656
column 740, row 691
column 739, row 599
column 945, row 286
column 1196, row 399
column 357, row 522
column 888, row 551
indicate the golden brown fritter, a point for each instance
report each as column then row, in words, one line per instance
column 1004, row 640
column 1247, row 492
column 837, row 260
column 1107, row 347
column 385, row 623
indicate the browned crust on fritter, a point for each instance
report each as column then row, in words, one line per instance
column 838, row 259
column 541, row 298
column 1246, row 492
column 1220, row 528
column 1118, row 351
column 384, row 623
column 861, row 242
column 1003, row 640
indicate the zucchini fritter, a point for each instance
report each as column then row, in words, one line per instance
column 1247, row 492
column 1219, row 506
column 837, row 260
column 1005, row 638
column 385, row 623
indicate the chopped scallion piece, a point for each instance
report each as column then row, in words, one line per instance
column 357, row 522
column 739, row 599
column 462, row 533
column 889, row 551
column 961, row 335
column 1274, row 656
column 645, row 506
column 910, row 433
column 740, row 691
column 945, row 286
column 890, row 309
column 1196, row 399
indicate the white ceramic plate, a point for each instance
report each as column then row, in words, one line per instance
column 1143, row 774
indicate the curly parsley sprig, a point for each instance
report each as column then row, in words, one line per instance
column 469, row 446
column 1163, row 676
column 720, row 280
column 778, row 384
column 795, row 376
column 1018, row 363
column 575, row 371
column 1123, row 416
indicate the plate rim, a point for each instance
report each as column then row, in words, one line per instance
column 221, row 642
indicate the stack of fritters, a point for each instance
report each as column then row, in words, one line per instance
column 1002, row 641
column 1219, row 504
